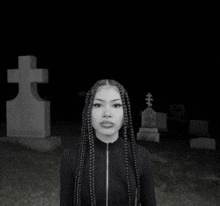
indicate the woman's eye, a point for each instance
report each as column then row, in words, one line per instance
column 117, row 105
column 97, row 105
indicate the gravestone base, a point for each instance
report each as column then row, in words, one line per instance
column 148, row 134
column 45, row 144
column 203, row 143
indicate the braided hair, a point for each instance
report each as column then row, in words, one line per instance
column 87, row 135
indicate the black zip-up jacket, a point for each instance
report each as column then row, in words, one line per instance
column 110, row 175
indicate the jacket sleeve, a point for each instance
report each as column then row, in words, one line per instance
column 67, row 180
column 147, row 182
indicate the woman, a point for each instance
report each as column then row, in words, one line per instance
column 107, row 167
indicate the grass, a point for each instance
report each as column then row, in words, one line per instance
column 183, row 176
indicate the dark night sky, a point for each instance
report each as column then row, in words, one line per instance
column 168, row 49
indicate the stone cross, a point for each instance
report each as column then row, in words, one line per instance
column 149, row 99
column 28, row 115
column 27, row 74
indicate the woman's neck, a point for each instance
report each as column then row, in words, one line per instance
column 107, row 138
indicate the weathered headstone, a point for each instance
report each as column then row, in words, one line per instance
column 148, row 118
column 28, row 116
column 148, row 130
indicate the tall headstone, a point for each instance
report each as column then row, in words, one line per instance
column 148, row 118
column 28, row 115
column 148, row 130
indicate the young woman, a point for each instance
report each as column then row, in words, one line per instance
column 107, row 167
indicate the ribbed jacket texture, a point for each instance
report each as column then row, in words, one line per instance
column 117, row 182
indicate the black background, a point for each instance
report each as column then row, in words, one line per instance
column 170, row 49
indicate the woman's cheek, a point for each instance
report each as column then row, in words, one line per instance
column 120, row 117
column 96, row 113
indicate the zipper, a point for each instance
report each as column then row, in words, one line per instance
column 107, row 174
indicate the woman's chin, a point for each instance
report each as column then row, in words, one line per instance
column 107, row 132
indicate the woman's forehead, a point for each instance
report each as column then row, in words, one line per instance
column 107, row 93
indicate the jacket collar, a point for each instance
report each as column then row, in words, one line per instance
column 98, row 142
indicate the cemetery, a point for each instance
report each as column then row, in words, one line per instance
column 185, row 154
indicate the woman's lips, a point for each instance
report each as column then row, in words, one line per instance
column 107, row 124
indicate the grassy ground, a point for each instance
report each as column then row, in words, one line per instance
column 183, row 177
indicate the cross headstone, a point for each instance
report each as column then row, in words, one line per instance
column 28, row 115
column 149, row 99
column 149, row 129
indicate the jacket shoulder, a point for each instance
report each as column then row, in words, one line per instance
column 142, row 151
column 143, row 157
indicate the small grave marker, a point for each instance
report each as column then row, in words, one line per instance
column 148, row 130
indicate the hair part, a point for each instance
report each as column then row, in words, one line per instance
column 87, row 135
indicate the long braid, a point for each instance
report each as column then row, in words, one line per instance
column 80, row 171
column 127, row 166
column 133, row 149
column 126, row 142
column 91, row 151
column 81, row 159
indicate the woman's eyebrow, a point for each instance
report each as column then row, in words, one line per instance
column 114, row 100
column 101, row 100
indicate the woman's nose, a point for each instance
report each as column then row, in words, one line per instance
column 107, row 112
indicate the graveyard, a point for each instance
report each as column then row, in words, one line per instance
column 183, row 176
column 185, row 154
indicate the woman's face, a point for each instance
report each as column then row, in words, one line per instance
column 107, row 111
